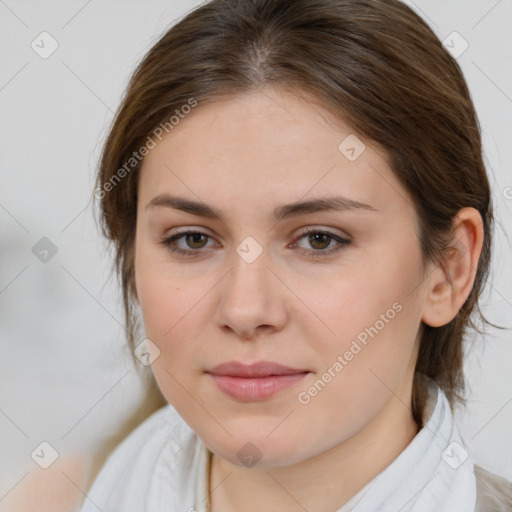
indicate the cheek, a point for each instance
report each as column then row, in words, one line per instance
column 168, row 318
column 362, row 373
column 155, row 298
column 173, row 311
column 162, row 298
column 362, row 305
column 374, row 320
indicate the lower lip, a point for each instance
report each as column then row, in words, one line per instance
column 255, row 388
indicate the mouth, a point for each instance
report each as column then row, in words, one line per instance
column 256, row 381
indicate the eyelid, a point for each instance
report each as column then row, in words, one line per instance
column 178, row 235
column 320, row 229
column 302, row 232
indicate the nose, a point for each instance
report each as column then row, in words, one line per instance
column 253, row 300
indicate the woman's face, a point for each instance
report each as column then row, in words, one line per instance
column 339, row 308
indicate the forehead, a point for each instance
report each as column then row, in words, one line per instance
column 267, row 148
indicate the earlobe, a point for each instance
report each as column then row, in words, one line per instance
column 450, row 283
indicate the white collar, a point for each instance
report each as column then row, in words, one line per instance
column 434, row 473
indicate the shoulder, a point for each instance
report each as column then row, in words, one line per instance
column 124, row 480
column 494, row 493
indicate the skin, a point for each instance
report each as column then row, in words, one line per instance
column 245, row 156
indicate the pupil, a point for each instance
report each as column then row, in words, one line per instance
column 196, row 237
column 320, row 238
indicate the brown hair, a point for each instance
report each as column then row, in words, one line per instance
column 374, row 63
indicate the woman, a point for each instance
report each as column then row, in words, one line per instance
column 299, row 207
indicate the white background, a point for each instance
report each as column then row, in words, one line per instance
column 66, row 377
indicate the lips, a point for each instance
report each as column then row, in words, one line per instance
column 257, row 381
column 260, row 369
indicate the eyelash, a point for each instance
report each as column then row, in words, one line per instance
column 167, row 242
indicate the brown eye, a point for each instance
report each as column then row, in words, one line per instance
column 188, row 243
column 319, row 240
column 196, row 240
column 321, row 243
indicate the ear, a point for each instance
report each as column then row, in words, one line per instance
column 450, row 283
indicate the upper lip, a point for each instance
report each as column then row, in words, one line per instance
column 258, row 369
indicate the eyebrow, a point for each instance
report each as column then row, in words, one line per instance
column 200, row 209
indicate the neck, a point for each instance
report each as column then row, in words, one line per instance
column 323, row 483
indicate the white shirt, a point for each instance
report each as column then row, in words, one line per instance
column 162, row 466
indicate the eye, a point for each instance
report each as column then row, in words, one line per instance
column 321, row 241
column 195, row 240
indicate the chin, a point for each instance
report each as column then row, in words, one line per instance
column 257, row 450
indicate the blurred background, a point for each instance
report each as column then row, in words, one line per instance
column 69, row 390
